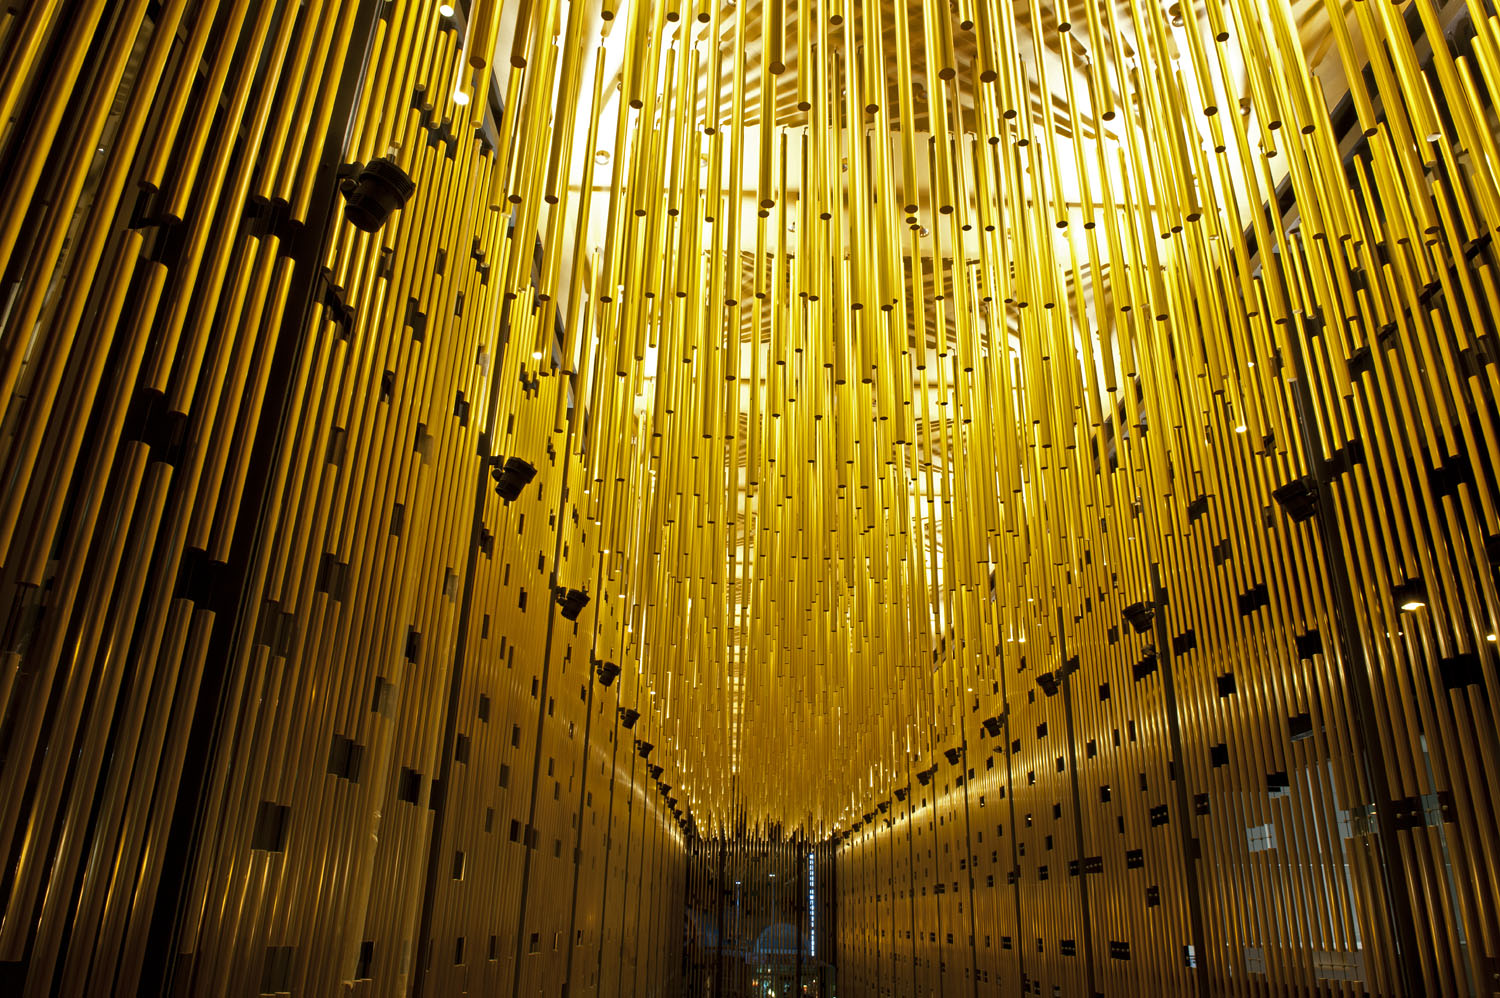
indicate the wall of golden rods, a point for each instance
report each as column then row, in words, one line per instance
column 1112, row 430
column 1225, row 723
column 285, row 704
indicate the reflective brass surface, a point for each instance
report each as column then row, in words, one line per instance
column 1040, row 457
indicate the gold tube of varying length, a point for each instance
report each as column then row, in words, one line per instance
column 773, row 30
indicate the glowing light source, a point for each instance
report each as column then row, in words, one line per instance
column 1410, row 595
column 812, row 906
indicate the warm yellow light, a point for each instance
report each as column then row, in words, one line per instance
column 1413, row 604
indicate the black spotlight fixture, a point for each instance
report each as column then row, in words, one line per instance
column 953, row 755
column 1410, row 595
column 608, row 673
column 628, row 717
column 1298, row 499
column 377, row 189
column 1139, row 616
column 511, row 477
column 992, row 726
column 572, row 602
column 643, row 749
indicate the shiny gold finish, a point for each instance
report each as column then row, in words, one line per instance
column 1237, row 374
column 242, row 502
column 1068, row 425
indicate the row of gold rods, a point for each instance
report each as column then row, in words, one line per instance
column 853, row 310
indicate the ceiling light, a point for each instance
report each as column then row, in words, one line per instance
column 460, row 98
column 446, row 10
